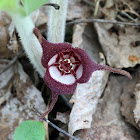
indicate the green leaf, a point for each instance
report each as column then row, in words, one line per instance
column 11, row 6
column 32, row 5
column 30, row 130
column 8, row 4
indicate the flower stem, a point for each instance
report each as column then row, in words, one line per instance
column 54, row 100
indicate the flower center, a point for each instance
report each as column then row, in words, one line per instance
column 66, row 65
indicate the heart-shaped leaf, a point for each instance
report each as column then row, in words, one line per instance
column 30, row 130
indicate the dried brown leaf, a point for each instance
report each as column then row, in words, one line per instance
column 120, row 47
column 127, row 99
column 22, row 94
column 77, row 10
column 4, row 131
column 108, row 124
column 13, row 43
column 85, row 101
column 137, row 107
column 39, row 17
column 86, row 96
column 63, row 117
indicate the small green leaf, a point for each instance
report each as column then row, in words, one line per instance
column 32, row 5
column 30, row 130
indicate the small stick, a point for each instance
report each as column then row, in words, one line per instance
column 128, row 16
column 101, row 21
column 12, row 61
column 96, row 8
column 56, row 6
column 53, row 125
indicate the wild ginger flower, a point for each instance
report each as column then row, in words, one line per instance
column 66, row 66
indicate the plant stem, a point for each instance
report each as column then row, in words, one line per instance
column 32, row 47
column 57, row 20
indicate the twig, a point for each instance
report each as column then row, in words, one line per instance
column 53, row 125
column 96, row 8
column 101, row 21
column 12, row 61
column 128, row 16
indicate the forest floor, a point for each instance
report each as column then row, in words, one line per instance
column 105, row 108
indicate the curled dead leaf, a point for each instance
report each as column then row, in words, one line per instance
column 86, row 96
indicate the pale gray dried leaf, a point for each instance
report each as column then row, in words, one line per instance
column 76, row 10
column 5, row 81
column 5, row 22
column 120, row 43
column 13, row 44
column 3, row 40
column 7, row 75
column 120, row 49
column 137, row 107
column 63, row 117
column 4, row 18
column 34, row 16
column 39, row 17
column 77, row 38
column 22, row 94
column 109, row 12
column 108, row 124
column 11, row 29
column 86, row 96
column 109, row 4
column 85, row 102
column 85, row 37
column 127, row 98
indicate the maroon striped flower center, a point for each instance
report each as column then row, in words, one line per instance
column 66, row 66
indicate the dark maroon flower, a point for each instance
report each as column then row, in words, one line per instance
column 66, row 66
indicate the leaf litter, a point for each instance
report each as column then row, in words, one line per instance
column 18, row 97
column 86, row 96
column 120, row 48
